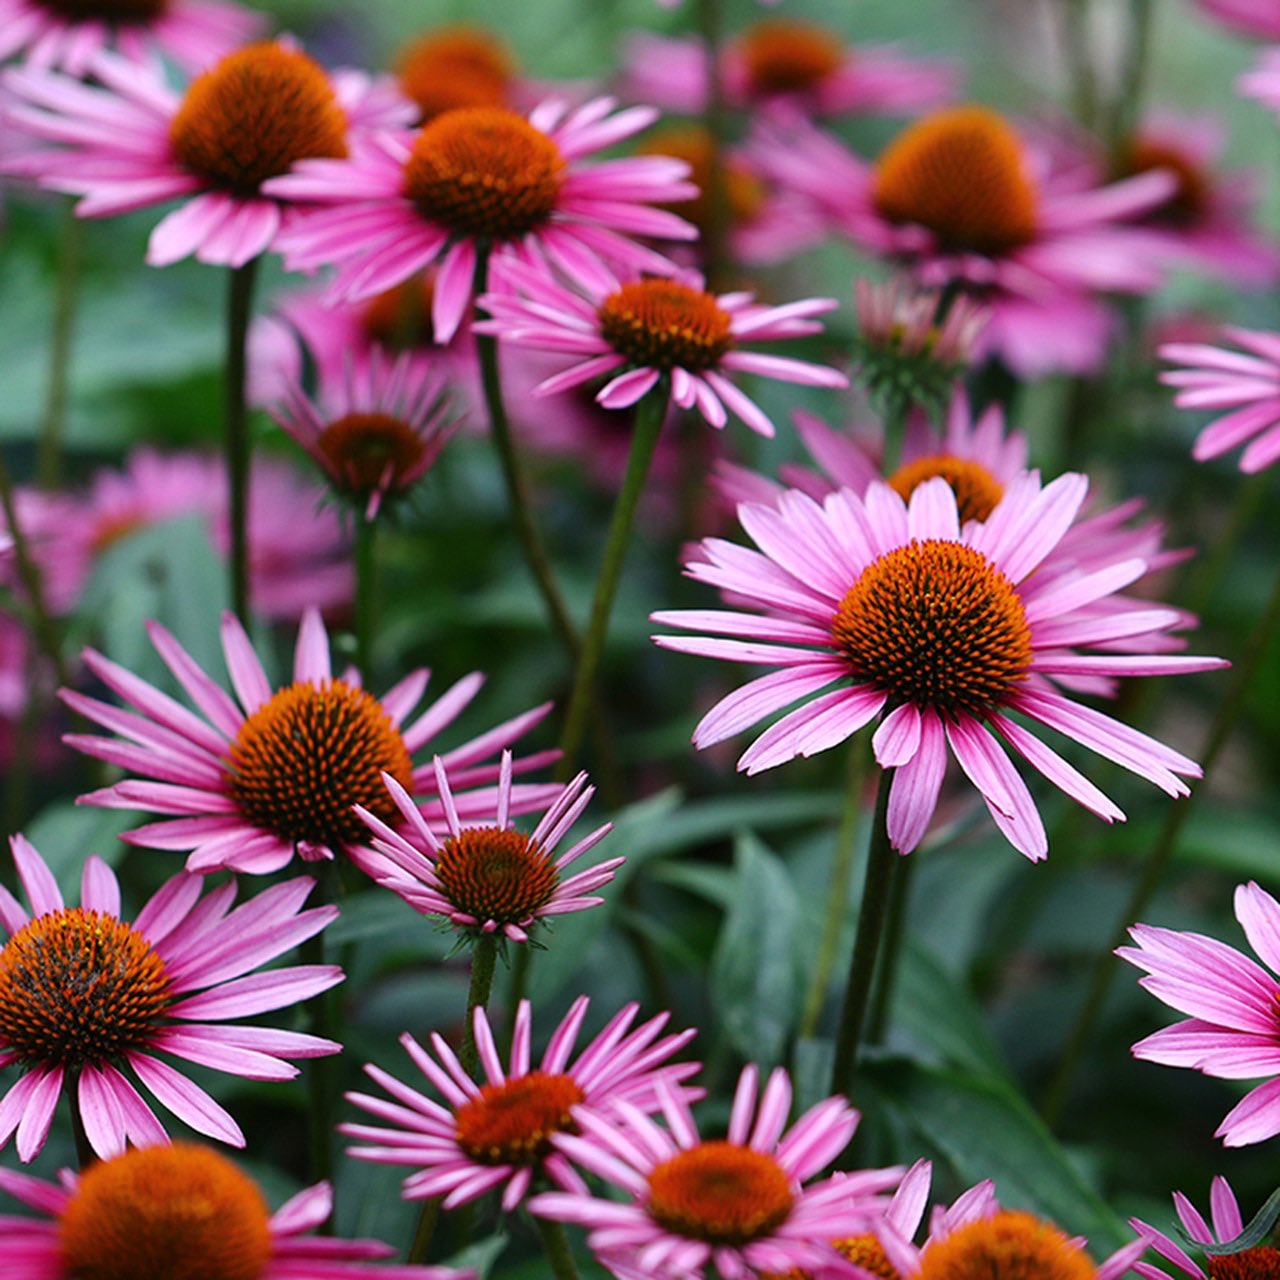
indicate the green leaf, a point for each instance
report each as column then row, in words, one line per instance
column 756, row 974
column 985, row 1129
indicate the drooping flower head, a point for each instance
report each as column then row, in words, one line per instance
column 786, row 61
column 271, row 772
column 173, row 1212
column 86, row 996
column 1260, row 1261
column 486, row 177
column 636, row 333
column 377, row 431
column 132, row 141
column 945, row 630
column 487, row 877
column 958, row 200
column 498, row 1133
column 1247, row 383
column 738, row 1204
column 1231, row 1029
column 70, row 33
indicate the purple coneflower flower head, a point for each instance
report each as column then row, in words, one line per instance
column 487, row 878
column 70, row 33
column 943, row 629
column 485, row 176
column 255, row 778
column 738, row 1205
column 1245, row 382
column 1227, row 1224
column 181, row 1210
column 788, row 62
column 498, row 1132
column 131, row 141
column 376, row 431
column 1038, row 250
column 84, row 993
column 1231, row 1030
column 636, row 333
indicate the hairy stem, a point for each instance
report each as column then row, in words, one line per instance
column 236, row 438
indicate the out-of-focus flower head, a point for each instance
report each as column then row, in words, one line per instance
column 1250, row 17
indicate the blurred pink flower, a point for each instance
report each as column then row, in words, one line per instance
column 499, row 1133
column 83, row 992
column 181, row 1210
column 404, row 201
column 1231, row 1030
column 1261, row 1260
column 131, row 141
column 1250, row 17
column 946, row 629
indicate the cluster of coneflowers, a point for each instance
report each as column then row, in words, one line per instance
column 927, row 586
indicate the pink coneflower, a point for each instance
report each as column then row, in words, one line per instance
column 485, row 175
column 787, row 61
column 487, row 878
column 180, row 1210
column 132, row 141
column 70, row 33
column 1208, row 219
column 1262, row 81
column 738, row 1205
column 945, row 629
column 1250, row 17
column 635, row 333
column 376, row 431
column 1034, row 247
column 1245, row 382
column 272, row 772
column 82, row 992
column 1261, row 1260
column 499, row 1133
column 1230, row 1000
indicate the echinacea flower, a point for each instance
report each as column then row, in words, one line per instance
column 271, row 772
column 168, row 1213
column 69, row 33
column 1261, row 1260
column 130, row 141
column 1032, row 245
column 945, row 630
column 804, row 65
column 1231, row 1030
column 638, row 332
column 497, row 1133
column 1245, row 382
column 84, row 993
column 485, row 176
column 458, row 65
column 377, row 431
column 738, row 1204
column 487, row 877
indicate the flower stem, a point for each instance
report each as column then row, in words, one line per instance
column 891, row 951
column 1158, row 859
column 483, row 958
column 866, row 945
column 555, row 1241
column 535, row 550
column 236, row 440
column 85, row 1154
column 70, row 255
column 366, row 591
column 425, row 1229
column 650, row 413
column 837, row 892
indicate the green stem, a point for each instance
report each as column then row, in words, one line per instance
column 715, row 239
column 366, row 592
column 1084, row 84
column 837, row 892
column 535, row 550
column 866, row 946
column 645, row 431
column 85, row 1154
column 425, row 1229
column 484, row 956
column 70, row 255
column 895, row 931
column 1158, row 859
column 236, row 441
column 555, row 1242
